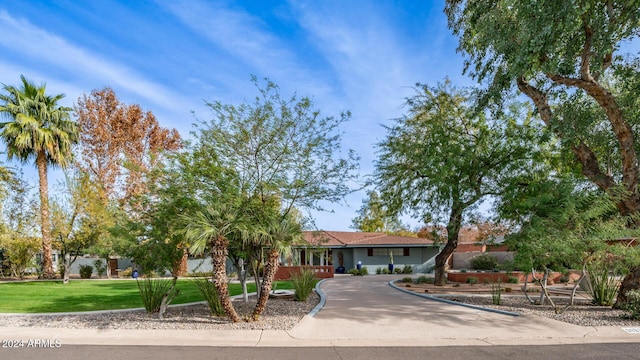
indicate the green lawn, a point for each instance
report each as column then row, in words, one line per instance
column 88, row 295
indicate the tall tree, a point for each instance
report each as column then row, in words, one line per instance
column 38, row 128
column 556, row 50
column 120, row 143
column 78, row 218
column 373, row 217
column 276, row 148
column 442, row 159
column 282, row 147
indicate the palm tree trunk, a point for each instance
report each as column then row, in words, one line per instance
column 270, row 268
column 47, row 263
column 181, row 266
column 219, row 259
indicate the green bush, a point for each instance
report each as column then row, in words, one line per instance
column 484, row 262
column 303, row 283
column 152, row 292
column 101, row 268
column 407, row 279
column 379, row 271
column 86, row 271
column 472, row 280
column 604, row 287
column 425, row 280
column 407, row 269
column 512, row 280
column 355, row 272
column 496, row 293
column 397, row 271
column 633, row 304
column 210, row 294
column 126, row 272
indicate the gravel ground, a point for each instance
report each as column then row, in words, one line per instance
column 280, row 314
column 581, row 313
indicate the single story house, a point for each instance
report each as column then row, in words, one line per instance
column 345, row 250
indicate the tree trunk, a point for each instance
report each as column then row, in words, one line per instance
column 108, row 267
column 168, row 297
column 453, row 230
column 270, row 269
column 67, row 268
column 45, row 221
column 630, row 282
column 181, row 266
column 219, row 259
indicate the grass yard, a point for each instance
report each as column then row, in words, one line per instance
column 89, row 295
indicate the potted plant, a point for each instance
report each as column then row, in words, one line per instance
column 391, row 262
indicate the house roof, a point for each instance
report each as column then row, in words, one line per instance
column 361, row 239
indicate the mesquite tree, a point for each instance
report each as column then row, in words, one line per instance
column 443, row 158
column 555, row 51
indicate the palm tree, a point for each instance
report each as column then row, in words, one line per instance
column 279, row 235
column 210, row 228
column 38, row 128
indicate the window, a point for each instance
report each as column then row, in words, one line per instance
column 388, row 251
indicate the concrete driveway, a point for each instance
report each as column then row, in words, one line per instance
column 368, row 311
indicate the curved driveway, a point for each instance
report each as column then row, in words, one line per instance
column 362, row 309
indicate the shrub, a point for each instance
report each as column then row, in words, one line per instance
column 603, row 287
column 425, row 280
column 206, row 274
column 407, row 279
column 407, row 269
column 126, row 272
column 303, row 283
column 157, row 294
column 472, row 280
column 355, row 272
column 496, row 293
column 397, row 271
column 210, row 294
column 484, row 262
column 86, row 271
column 512, row 280
column 633, row 304
column 379, row 270
column 101, row 268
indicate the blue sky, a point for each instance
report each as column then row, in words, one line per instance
column 170, row 56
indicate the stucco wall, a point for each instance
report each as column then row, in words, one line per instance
column 463, row 260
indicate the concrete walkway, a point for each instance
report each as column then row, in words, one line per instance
column 360, row 311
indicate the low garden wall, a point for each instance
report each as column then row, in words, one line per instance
column 490, row 276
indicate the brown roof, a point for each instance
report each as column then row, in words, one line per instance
column 346, row 238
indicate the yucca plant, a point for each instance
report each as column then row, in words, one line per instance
column 496, row 293
column 210, row 294
column 157, row 294
column 604, row 287
column 303, row 283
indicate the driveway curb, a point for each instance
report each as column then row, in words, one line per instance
column 446, row 301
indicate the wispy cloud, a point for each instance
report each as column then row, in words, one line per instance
column 244, row 36
column 54, row 52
